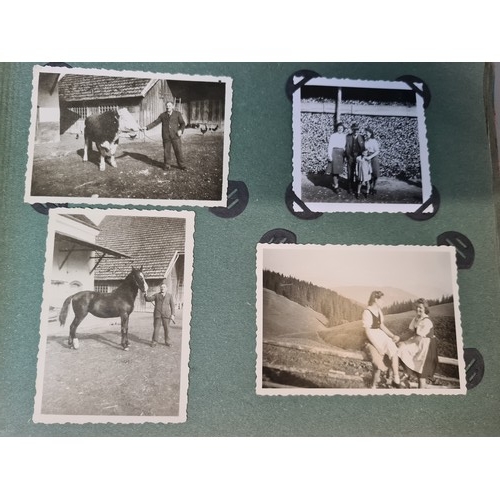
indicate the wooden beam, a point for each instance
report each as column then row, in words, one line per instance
column 70, row 251
column 97, row 263
column 339, row 105
column 357, row 109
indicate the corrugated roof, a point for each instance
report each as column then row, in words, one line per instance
column 152, row 242
column 90, row 87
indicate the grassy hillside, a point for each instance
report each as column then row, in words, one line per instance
column 283, row 317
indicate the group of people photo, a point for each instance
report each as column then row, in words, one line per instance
column 359, row 153
column 416, row 356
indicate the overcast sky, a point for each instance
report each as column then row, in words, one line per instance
column 422, row 271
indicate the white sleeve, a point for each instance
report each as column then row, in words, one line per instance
column 330, row 148
column 424, row 327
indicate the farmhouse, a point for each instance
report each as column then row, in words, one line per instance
column 76, row 256
column 65, row 100
column 145, row 98
column 155, row 243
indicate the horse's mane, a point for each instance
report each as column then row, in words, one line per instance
column 128, row 282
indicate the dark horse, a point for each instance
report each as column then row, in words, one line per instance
column 118, row 303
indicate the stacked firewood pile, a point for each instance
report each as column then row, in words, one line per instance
column 396, row 135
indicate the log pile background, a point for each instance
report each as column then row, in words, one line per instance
column 397, row 137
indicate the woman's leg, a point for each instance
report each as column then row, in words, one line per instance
column 395, row 369
column 422, row 382
column 376, row 378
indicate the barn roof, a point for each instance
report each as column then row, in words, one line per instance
column 89, row 87
column 151, row 242
column 81, row 218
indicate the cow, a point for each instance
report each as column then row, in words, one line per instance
column 104, row 130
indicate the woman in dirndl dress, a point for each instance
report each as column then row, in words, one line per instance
column 380, row 337
column 419, row 353
column 336, row 155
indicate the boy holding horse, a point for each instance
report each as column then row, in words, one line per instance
column 163, row 313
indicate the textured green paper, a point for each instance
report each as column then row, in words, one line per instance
column 221, row 395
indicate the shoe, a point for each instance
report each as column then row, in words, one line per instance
column 168, row 344
column 153, row 344
column 166, row 167
column 356, row 195
column 396, row 385
column 335, row 189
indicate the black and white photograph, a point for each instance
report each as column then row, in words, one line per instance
column 114, row 329
column 128, row 137
column 360, row 146
column 358, row 320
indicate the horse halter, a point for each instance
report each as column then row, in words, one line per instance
column 141, row 283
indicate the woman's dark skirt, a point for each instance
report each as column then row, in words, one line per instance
column 336, row 166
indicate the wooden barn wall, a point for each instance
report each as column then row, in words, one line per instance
column 153, row 104
column 173, row 281
column 144, row 109
column 208, row 111
column 73, row 114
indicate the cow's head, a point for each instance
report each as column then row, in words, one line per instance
column 127, row 123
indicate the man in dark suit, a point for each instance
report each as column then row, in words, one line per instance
column 354, row 146
column 163, row 313
column 173, row 126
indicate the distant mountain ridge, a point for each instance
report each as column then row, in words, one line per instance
column 361, row 294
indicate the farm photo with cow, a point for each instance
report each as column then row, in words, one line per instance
column 360, row 146
column 358, row 320
column 114, row 333
column 128, row 137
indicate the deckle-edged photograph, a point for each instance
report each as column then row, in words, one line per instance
column 128, row 137
column 115, row 319
column 358, row 320
column 360, row 146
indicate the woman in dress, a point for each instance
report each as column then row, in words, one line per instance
column 373, row 148
column 380, row 337
column 419, row 352
column 336, row 155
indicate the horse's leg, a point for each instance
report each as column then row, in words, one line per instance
column 73, row 341
column 125, row 343
column 80, row 308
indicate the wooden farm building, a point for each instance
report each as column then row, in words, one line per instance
column 65, row 100
column 156, row 243
column 76, row 256
column 145, row 98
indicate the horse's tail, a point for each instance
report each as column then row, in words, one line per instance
column 64, row 311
